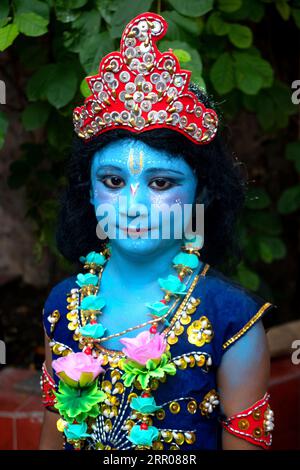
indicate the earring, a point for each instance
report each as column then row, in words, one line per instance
column 193, row 245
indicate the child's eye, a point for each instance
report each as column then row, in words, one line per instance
column 113, row 182
column 161, row 184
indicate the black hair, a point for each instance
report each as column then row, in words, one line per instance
column 218, row 174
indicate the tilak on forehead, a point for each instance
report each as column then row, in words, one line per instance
column 135, row 164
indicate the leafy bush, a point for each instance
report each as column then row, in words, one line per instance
column 55, row 43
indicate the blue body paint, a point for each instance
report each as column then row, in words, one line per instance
column 130, row 277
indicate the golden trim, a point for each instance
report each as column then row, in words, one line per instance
column 248, row 325
column 117, row 353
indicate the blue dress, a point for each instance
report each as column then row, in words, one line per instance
column 211, row 317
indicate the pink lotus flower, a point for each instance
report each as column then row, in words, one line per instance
column 78, row 369
column 144, row 346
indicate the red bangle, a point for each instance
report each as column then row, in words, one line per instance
column 255, row 424
column 48, row 387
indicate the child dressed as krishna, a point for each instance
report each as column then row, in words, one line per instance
column 150, row 346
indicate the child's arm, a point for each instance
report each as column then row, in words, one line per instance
column 243, row 379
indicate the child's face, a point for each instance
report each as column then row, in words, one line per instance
column 130, row 182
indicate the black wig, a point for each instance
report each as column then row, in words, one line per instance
column 217, row 171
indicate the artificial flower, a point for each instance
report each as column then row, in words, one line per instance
column 93, row 257
column 172, row 284
column 154, row 368
column 92, row 302
column 144, row 405
column 78, row 369
column 143, row 437
column 86, row 279
column 144, row 346
column 76, row 431
column 186, row 259
column 79, row 404
column 158, row 308
column 92, row 330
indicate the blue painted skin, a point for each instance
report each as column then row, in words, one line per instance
column 130, row 277
column 143, row 175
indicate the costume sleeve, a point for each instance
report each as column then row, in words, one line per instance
column 54, row 311
column 243, row 309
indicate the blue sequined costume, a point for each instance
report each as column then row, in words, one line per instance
column 211, row 317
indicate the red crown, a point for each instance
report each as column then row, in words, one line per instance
column 140, row 88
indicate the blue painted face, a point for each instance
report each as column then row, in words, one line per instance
column 129, row 173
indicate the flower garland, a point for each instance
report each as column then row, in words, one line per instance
column 78, row 396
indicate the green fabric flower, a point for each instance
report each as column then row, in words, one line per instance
column 86, row 279
column 92, row 331
column 143, row 437
column 76, row 431
column 79, row 404
column 172, row 284
column 187, row 259
column 154, row 368
column 144, row 405
column 92, row 302
column 93, row 257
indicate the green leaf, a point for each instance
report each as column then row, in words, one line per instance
column 182, row 56
column 192, row 8
column 40, row 8
column 283, row 9
column 107, row 8
column 86, row 378
column 122, row 15
column 247, row 277
column 195, row 64
column 4, row 10
column 217, row 25
column 37, row 85
column 296, row 16
column 70, row 4
column 190, row 25
column 31, row 24
column 240, row 36
column 257, row 198
column 271, row 248
column 143, row 379
column 62, row 86
column 128, row 379
column 289, row 200
column 229, row 6
column 85, row 89
column 93, row 49
column 252, row 72
column 222, row 74
column 7, row 36
column 66, row 380
column 266, row 111
column 264, row 222
column 3, row 128
column 35, row 115
column 292, row 153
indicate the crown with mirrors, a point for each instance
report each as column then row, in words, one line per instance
column 140, row 89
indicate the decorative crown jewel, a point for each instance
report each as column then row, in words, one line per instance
column 140, row 88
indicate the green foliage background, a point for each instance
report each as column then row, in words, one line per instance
column 49, row 46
